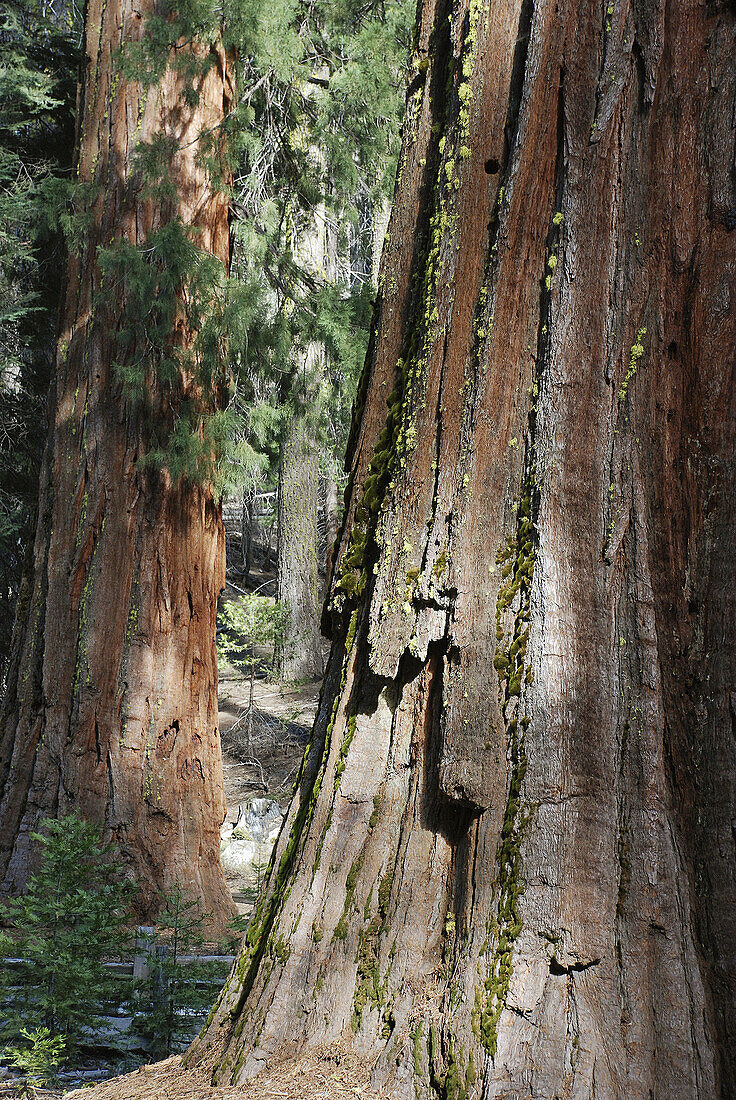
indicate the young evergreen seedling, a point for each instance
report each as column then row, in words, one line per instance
column 71, row 920
column 37, row 1059
column 170, row 1002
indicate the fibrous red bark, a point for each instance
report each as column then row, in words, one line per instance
column 509, row 870
column 112, row 705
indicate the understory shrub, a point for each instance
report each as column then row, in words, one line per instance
column 170, row 1002
column 72, row 919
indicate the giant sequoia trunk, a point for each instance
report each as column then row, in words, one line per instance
column 112, row 704
column 509, row 869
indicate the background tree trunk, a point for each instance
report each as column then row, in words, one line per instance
column 332, row 516
column 379, row 228
column 300, row 654
column 509, row 868
column 246, row 528
column 112, row 705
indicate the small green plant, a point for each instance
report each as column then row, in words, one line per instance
column 39, row 1059
column 259, row 865
column 250, row 623
column 236, row 929
column 70, row 921
column 169, row 1002
column 245, row 626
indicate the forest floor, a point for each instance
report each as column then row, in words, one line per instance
column 319, row 1075
column 290, row 706
column 267, row 766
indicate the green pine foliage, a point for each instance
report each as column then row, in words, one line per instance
column 321, row 101
column 72, row 918
column 151, row 286
column 38, row 61
column 169, row 31
column 147, row 286
column 248, row 624
column 38, row 1057
column 169, row 1003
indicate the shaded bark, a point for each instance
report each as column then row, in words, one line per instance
column 509, row 869
column 111, row 709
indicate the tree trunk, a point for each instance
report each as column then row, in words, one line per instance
column 300, row 656
column 381, row 218
column 246, row 529
column 300, row 653
column 332, row 517
column 509, row 869
column 112, row 706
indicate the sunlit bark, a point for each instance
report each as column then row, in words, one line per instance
column 509, row 869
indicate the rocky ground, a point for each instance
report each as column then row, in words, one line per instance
column 260, row 763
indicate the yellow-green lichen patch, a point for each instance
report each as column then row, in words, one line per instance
column 454, row 1077
column 440, row 565
column 636, row 353
column 417, row 1044
column 465, row 89
column 342, row 927
column 347, row 740
column 461, row 1075
column 398, row 438
column 517, row 560
column 369, row 989
column 552, row 259
column 506, row 927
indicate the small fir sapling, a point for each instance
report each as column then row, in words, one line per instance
column 170, row 1002
column 71, row 920
column 246, row 625
column 37, row 1059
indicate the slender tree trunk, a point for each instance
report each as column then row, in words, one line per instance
column 381, row 218
column 300, row 654
column 332, row 517
column 112, row 705
column 246, row 529
column 509, row 870
column 300, row 657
